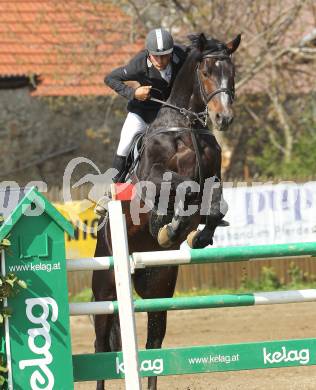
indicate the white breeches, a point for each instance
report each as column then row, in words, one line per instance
column 133, row 125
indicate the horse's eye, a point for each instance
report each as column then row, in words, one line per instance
column 206, row 71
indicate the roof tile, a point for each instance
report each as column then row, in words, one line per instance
column 70, row 45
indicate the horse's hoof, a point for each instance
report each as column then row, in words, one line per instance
column 190, row 238
column 163, row 237
column 197, row 239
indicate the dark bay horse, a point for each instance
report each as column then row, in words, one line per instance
column 177, row 146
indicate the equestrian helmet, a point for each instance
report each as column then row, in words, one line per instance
column 159, row 42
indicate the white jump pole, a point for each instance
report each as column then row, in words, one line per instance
column 124, row 295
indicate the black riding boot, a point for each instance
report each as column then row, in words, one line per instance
column 119, row 163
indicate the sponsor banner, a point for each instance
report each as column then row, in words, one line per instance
column 39, row 329
column 85, row 222
column 193, row 360
column 269, row 214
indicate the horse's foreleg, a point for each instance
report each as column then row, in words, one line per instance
column 171, row 232
column 217, row 210
column 181, row 188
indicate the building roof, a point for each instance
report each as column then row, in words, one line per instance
column 68, row 45
column 24, row 204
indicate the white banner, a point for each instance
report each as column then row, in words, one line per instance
column 269, row 214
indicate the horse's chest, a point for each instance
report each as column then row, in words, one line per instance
column 183, row 161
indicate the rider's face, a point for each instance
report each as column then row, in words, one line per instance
column 160, row 62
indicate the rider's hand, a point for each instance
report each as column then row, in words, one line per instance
column 143, row 93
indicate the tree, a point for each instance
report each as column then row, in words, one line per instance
column 275, row 61
column 276, row 57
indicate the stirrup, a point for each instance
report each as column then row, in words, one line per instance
column 100, row 210
column 101, row 206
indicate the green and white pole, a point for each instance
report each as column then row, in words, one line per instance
column 222, row 255
column 201, row 256
column 199, row 302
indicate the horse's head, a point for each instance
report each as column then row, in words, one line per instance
column 215, row 86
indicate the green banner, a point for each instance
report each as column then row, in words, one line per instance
column 39, row 327
column 193, row 360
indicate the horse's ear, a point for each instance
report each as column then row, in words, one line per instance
column 233, row 45
column 199, row 41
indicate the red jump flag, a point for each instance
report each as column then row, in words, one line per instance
column 123, row 191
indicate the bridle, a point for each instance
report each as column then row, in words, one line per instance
column 206, row 98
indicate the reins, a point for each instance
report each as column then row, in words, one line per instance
column 197, row 116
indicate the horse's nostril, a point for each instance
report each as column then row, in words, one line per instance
column 230, row 120
column 218, row 117
column 223, row 120
column 227, row 120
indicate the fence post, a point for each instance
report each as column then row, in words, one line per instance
column 124, row 295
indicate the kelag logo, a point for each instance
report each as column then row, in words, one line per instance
column 156, row 366
column 301, row 356
column 43, row 358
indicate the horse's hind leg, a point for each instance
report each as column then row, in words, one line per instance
column 156, row 283
column 107, row 330
column 156, row 330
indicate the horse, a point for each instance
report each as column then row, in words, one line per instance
column 177, row 145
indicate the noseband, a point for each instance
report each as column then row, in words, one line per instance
column 206, row 98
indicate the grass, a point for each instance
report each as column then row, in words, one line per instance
column 268, row 281
column 264, row 284
column 84, row 296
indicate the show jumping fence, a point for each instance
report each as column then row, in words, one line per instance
column 37, row 337
column 199, row 277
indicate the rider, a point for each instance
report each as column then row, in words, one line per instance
column 155, row 69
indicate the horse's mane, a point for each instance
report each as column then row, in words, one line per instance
column 203, row 44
